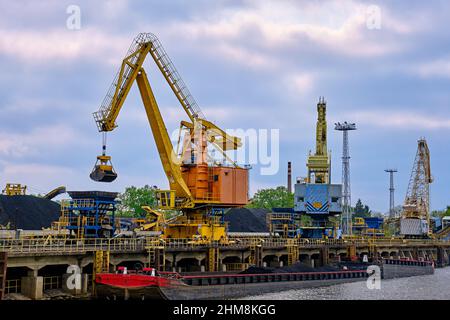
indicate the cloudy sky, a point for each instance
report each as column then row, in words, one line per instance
column 249, row 64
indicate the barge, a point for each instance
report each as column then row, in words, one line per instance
column 172, row 286
column 151, row 284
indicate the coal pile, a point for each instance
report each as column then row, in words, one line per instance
column 296, row 267
column 247, row 220
column 348, row 265
column 301, row 267
column 28, row 212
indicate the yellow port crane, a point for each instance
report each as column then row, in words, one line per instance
column 197, row 184
column 319, row 163
column 417, row 200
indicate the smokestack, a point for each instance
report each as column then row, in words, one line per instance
column 289, row 180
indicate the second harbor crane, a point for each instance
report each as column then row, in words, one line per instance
column 201, row 187
column 415, row 218
column 315, row 196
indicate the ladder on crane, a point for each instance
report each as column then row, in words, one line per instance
column 213, row 259
column 100, row 265
column 292, row 249
column 173, row 78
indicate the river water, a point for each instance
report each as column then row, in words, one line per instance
column 436, row 286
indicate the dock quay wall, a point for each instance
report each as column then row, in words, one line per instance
column 44, row 262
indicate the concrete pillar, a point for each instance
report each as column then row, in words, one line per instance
column 84, row 283
column 324, row 256
column 281, row 264
column 307, row 260
column 174, row 259
column 202, row 268
column 32, row 285
column 442, row 257
column 32, row 272
column 415, row 254
column 259, row 256
column 224, row 268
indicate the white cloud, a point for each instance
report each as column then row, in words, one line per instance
column 35, row 141
column 252, row 36
column 58, row 45
column 400, row 120
column 436, row 68
column 300, row 83
column 39, row 178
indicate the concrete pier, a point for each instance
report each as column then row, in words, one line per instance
column 32, row 285
column 38, row 265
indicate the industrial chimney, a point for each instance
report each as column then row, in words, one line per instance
column 289, row 178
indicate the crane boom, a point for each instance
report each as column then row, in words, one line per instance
column 143, row 44
column 197, row 187
column 200, row 130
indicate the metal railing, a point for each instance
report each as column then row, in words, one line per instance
column 68, row 246
column 52, row 282
column 13, row 286
column 74, row 246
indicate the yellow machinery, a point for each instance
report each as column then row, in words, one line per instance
column 417, row 201
column 15, row 189
column 315, row 196
column 198, row 185
column 319, row 163
column 359, row 222
column 153, row 221
column 55, row 192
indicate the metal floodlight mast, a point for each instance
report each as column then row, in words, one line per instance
column 346, row 217
column 391, row 192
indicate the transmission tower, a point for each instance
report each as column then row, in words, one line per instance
column 391, row 192
column 346, row 217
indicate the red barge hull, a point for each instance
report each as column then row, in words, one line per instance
column 133, row 286
column 172, row 286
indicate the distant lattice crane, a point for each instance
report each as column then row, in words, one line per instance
column 417, row 201
column 346, row 217
column 391, row 192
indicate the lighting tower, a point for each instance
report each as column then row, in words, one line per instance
column 391, row 192
column 346, row 217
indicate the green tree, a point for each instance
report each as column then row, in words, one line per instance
column 134, row 198
column 438, row 213
column 441, row 213
column 361, row 210
column 447, row 212
column 278, row 197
